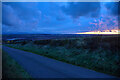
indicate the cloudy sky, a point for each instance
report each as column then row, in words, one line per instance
column 58, row 17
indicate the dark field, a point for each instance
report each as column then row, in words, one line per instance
column 97, row 52
column 47, row 36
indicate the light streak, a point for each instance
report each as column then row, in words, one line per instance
column 102, row 32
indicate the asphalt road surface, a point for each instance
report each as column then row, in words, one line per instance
column 42, row 67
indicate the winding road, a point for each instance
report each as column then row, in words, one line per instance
column 42, row 67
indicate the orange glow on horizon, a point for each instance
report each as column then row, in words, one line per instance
column 102, row 32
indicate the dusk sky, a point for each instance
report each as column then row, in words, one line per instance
column 58, row 17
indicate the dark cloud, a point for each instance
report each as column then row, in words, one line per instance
column 25, row 10
column 113, row 7
column 9, row 17
column 82, row 9
column 60, row 18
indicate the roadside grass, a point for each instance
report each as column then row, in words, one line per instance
column 11, row 69
column 99, row 53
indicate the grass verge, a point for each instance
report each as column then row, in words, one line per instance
column 11, row 69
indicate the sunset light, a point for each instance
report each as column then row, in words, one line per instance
column 102, row 32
